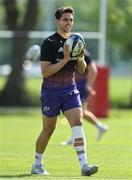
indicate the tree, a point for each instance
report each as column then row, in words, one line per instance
column 120, row 13
column 119, row 19
column 14, row 93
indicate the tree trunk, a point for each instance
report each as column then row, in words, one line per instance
column 14, row 93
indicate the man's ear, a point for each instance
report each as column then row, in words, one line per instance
column 57, row 21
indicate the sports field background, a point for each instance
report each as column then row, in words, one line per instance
column 19, row 128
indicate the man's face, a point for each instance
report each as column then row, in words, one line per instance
column 65, row 23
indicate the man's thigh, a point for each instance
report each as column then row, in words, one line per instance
column 74, row 116
column 49, row 122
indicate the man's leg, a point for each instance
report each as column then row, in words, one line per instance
column 49, row 124
column 90, row 117
column 74, row 117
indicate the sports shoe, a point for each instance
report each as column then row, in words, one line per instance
column 68, row 142
column 88, row 170
column 39, row 169
column 101, row 132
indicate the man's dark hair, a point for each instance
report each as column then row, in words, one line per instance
column 60, row 11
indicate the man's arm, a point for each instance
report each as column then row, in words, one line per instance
column 81, row 64
column 49, row 69
column 92, row 73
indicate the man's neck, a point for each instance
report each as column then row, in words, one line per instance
column 63, row 34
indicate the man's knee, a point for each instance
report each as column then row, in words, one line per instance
column 76, row 122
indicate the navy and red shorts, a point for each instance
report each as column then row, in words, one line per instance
column 53, row 101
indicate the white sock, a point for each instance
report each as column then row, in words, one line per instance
column 70, row 140
column 79, row 143
column 38, row 158
column 99, row 125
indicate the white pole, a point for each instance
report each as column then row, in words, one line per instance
column 102, row 29
column 49, row 7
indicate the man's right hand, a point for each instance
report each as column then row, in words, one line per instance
column 66, row 53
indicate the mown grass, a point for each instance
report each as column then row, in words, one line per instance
column 20, row 127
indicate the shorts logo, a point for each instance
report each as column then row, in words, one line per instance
column 46, row 108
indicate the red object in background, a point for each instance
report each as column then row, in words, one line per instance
column 99, row 104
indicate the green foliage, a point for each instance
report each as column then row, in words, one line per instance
column 19, row 129
column 119, row 20
column 2, row 14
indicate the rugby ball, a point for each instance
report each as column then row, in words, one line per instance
column 33, row 53
column 76, row 44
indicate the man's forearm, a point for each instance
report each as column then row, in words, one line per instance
column 52, row 68
column 81, row 65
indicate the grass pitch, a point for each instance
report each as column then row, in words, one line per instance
column 19, row 129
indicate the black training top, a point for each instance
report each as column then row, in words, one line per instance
column 52, row 50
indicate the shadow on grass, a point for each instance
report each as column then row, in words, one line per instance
column 15, row 176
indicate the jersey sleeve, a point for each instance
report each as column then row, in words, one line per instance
column 46, row 51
